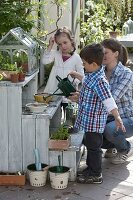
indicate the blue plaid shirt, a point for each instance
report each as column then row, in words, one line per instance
column 121, row 84
column 92, row 114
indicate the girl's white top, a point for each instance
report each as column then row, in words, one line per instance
column 61, row 69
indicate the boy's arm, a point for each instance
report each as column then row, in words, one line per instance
column 77, row 75
column 118, row 120
column 111, row 107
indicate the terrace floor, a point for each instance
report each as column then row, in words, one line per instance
column 117, row 184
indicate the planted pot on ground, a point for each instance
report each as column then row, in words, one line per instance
column 59, row 176
column 37, row 178
column 60, row 140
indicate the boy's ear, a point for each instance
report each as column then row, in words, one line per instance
column 94, row 64
column 117, row 53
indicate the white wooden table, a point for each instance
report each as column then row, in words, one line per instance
column 126, row 40
column 12, row 98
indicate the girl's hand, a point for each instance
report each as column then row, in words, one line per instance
column 51, row 42
column 119, row 124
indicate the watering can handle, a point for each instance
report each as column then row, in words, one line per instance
column 73, row 78
column 58, row 78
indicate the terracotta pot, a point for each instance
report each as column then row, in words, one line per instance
column 25, row 67
column 59, row 144
column 113, row 34
column 14, row 78
column 13, row 178
column 21, row 77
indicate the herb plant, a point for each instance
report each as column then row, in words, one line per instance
column 61, row 134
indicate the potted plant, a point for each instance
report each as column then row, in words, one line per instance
column 21, row 74
column 60, row 140
column 14, row 77
column 22, row 60
column 7, row 70
column 59, row 175
column 12, row 178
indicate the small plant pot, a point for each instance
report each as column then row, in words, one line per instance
column 59, row 144
column 113, row 34
column 21, row 77
column 37, row 178
column 59, row 178
column 12, row 178
column 14, row 78
column 25, row 67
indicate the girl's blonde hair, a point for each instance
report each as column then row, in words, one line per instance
column 65, row 30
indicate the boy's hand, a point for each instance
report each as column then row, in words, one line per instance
column 119, row 124
column 73, row 74
column 74, row 96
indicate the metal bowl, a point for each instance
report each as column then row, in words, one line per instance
column 43, row 98
column 36, row 107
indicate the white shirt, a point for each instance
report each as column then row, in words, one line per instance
column 61, row 69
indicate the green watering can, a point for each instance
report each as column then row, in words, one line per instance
column 66, row 86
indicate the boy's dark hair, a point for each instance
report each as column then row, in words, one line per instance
column 92, row 53
column 114, row 45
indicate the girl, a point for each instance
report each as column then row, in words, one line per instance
column 65, row 60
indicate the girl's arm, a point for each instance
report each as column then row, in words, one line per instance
column 48, row 56
column 51, row 43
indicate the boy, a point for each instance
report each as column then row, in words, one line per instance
column 94, row 104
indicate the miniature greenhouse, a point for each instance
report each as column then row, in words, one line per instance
column 17, row 47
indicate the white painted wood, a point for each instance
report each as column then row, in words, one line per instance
column 14, row 107
column 3, row 129
column 11, row 143
column 28, row 141
column 42, row 136
column 29, row 90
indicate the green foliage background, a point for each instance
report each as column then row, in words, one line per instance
column 98, row 20
column 14, row 14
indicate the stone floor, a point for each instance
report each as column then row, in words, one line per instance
column 117, row 184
